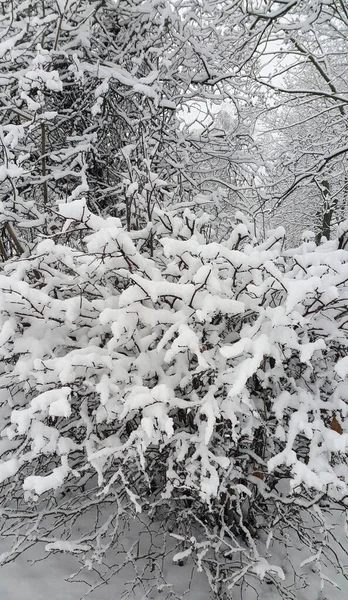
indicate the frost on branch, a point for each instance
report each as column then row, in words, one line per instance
column 204, row 385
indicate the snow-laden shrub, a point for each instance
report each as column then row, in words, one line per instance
column 202, row 384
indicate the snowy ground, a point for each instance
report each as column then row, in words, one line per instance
column 46, row 580
column 37, row 575
column 31, row 578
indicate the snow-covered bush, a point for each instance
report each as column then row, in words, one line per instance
column 201, row 384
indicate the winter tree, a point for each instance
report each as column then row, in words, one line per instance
column 168, row 367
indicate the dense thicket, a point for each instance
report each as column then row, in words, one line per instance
column 204, row 384
column 163, row 355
